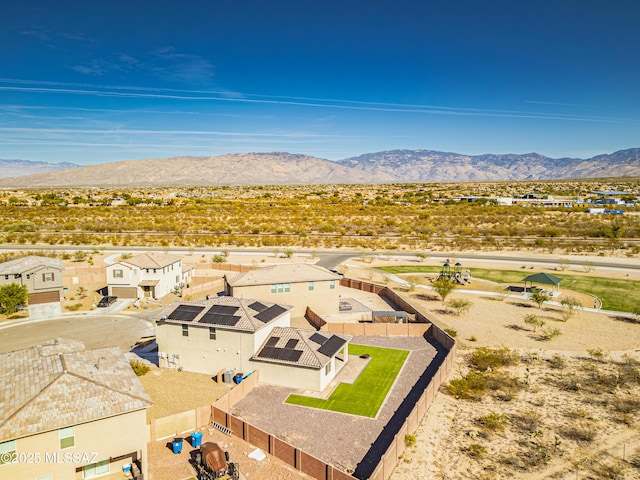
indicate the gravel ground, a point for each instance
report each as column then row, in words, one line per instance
column 336, row 438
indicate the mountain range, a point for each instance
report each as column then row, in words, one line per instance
column 280, row 168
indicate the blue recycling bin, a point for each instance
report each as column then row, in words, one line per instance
column 196, row 439
column 177, row 445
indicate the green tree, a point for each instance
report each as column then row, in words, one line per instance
column 11, row 296
column 443, row 287
column 534, row 321
column 539, row 296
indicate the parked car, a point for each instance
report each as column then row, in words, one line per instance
column 107, row 301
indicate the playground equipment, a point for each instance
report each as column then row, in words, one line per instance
column 455, row 273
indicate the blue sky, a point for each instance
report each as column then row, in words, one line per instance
column 92, row 82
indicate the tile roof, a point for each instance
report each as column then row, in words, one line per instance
column 249, row 317
column 310, row 357
column 283, row 273
column 29, row 264
column 151, row 260
column 59, row 384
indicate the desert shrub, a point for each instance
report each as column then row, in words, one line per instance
column 608, row 470
column 596, row 354
column 484, row 358
column 451, row 332
column 477, row 451
column 529, row 421
column 505, row 387
column 549, row 334
column 473, row 338
column 74, row 308
column 581, row 432
column 409, row 440
column 459, row 305
column 139, row 367
column 626, row 405
column 540, row 296
column 493, row 422
column 470, row 386
column 557, row 362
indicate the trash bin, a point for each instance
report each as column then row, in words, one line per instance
column 227, row 377
column 196, row 439
column 177, row 445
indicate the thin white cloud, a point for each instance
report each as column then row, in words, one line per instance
column 196, row 95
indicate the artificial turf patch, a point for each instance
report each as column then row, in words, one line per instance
column 365, row 396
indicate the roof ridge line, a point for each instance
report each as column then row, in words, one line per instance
column 24, row 405
column 100, row 384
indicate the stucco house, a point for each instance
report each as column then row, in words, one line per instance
column 151, row 275
column 301, row 358
column 216, row 334
column 301, row 285
column 71, row 413
column 41, row 275
column 242, row 335
column 43, row 278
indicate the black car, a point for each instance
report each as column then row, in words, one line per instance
column 106, row 301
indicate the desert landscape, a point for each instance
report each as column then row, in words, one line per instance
column 520, row 405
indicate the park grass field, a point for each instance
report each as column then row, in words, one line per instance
column 616, row 294
column 366, row 395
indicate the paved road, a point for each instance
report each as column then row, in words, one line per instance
column 328, row 258
column 95, row 331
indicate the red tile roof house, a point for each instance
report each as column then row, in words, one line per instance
column 70, row 413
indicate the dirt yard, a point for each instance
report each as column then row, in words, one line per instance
column 568, row 409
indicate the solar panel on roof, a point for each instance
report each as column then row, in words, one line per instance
column 223, row 309
column 319, row 339
column 291, row 343
column 258, row 307
column 272, row 341
column 185, row 312
column 285, row 354
column 219, row 319
column 332, row 346
column 270, row 313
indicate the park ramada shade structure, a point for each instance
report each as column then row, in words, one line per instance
column 544, row 278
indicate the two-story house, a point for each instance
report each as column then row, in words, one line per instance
column 242, row 335
column 301, row 285
column 71, row 413
column 43, row 279
column 151, row 275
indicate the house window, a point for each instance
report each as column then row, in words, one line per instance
column 177, row 278
column 17, row 275
column 135, row 271
column 117, row 273
column 212, row 333
column 185, row 330
column 95, row 469
column 6, row 277
column 154, row 270
column 47, row 277
column 287, row 287
column 311, row 286
column 7, row 448
column 28, row 276
column 327, row 369
column 46, row 477
column 280, row 288
column 332, row 284
column 274, row 288
column 66, row 437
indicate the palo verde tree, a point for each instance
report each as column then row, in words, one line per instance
column 443, row 286
column 12, row 295
column 539, row 296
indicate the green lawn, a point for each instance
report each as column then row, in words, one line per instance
column 619, row 295
column 365, row 396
